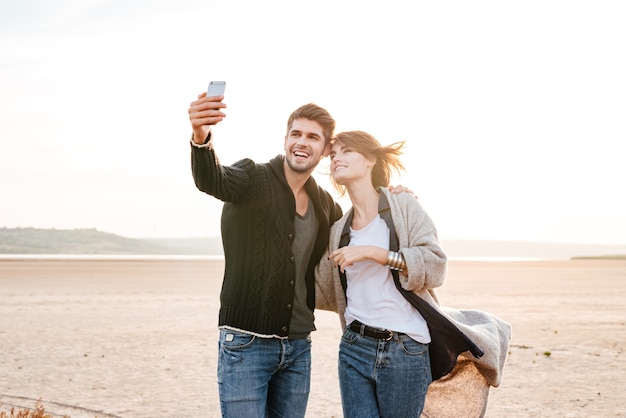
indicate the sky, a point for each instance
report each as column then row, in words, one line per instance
column 513, row 113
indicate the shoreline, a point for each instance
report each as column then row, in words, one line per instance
column 180, row 257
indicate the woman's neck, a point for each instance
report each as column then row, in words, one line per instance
column 364, row 205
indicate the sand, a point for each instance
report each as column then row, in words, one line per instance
column 138, row 338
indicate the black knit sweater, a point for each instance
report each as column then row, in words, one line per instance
column 257, row 232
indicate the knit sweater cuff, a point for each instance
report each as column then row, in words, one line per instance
column 207, row 142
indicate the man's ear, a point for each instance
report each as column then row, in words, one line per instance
column 328, row 148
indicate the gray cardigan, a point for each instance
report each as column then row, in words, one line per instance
column 427, row 268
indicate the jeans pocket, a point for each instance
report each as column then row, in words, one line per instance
column 232, row 340
column 412, row 347
column 233, row 344
column 349, row 336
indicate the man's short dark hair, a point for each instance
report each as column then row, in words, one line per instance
column 315, row 113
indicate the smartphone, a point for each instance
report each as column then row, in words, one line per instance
column 216, row 88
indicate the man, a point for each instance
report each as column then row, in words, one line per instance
column 275, row 227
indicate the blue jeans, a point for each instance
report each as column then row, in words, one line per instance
column 381, row 378
column 263, row 377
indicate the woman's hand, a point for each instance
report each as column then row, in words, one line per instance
column 347, row 256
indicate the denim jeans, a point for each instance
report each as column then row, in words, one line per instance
column 263, row 377
column 381, row 378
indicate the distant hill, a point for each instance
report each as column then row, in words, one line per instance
column 541, row 250
column 92, row 241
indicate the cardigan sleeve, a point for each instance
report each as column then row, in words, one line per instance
column 227, row 183
column 419, row 244
column 325, row 297
column 329, row 293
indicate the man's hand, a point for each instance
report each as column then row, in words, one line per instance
column 203, row 113
column 400, row 189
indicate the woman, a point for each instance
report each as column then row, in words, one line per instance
column 382, row 252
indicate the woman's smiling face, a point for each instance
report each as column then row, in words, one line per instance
column 348, row 164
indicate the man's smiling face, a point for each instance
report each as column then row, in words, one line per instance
column 305, row 145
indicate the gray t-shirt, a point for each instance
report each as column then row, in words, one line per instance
column 306, row 230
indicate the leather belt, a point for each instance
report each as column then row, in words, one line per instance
column 367, row 331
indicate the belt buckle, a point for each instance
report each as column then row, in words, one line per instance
column 389, row 335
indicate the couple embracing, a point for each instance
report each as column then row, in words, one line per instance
column 289, row 248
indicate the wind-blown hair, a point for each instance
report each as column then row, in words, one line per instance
column 387, row 157
column 317, row 114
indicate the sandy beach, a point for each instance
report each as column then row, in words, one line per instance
column 138, row 338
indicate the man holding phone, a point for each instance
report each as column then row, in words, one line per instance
column 275, row 227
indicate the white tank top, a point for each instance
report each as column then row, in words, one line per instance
column 372, row 295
